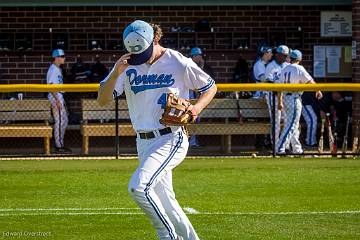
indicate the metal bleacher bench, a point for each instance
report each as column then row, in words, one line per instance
column 219, row 118
column 26, row 118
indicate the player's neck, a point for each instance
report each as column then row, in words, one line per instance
column 159, row 51
column 57, row 64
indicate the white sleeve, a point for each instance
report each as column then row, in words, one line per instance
column 305, row 76
column 269, row 73
column 196, row 79
column 259, row 71
column 119, row 85
column 52, row 77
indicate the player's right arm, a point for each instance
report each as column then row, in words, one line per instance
column 107, row 86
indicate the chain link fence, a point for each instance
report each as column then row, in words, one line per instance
column 235, row 123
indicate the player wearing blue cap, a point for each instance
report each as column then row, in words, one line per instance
column 54, row 76
column 196, row 55
column 291, row 102
column 272, row 75
column 147, row 74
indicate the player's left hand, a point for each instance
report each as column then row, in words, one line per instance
column 318, row 95
column 178, row 111
column 280, row 106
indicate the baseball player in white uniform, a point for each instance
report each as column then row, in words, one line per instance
column 272, row 75
column 147, row 74
column 54, row 76
column 260, row 66
column 291, row 102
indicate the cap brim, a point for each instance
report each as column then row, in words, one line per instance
column 283, row 53
column 138, row 59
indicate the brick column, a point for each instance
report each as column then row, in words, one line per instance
column 356, row 62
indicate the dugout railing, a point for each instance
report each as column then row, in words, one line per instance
column 237, row 122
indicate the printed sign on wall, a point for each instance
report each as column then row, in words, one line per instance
column 336, row 24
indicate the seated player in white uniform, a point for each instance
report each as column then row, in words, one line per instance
column 272, row 75
column 291, row 102
column 147, row 74
column 60, row 114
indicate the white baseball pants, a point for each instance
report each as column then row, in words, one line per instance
column 290, row 133
column 60, row 118
column 268, row 96
column 151, row 184
column 311, row 119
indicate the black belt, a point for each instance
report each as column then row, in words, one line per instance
column 149, row 135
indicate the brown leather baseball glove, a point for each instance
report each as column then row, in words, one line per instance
column 177, row 112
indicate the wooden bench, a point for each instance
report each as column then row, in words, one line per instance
column 219, row 118
column 26, row 118
column 95, row 119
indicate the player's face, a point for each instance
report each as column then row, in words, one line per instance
column 267, row 56
column 197, row 58
column 288, row 60
column 280, row 58
column 60, row 60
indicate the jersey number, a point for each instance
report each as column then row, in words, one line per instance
column 287, row 77
column 162, row 100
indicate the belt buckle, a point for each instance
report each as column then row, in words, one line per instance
column 146, row 136
column 143, row 135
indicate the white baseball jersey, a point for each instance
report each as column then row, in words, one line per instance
column 54, row 76
column 259, row 70
column 146, row 87
column 273, row 71
column 295, row 73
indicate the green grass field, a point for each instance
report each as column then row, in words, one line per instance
column 287, row 198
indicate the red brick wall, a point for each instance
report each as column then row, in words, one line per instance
column 356, row 62
column 254, row 22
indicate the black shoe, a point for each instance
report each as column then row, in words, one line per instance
column 63, row 150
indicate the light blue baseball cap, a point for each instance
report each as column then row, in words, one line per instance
column 296, row 54
column 57, row 53
column 195, row 51
column 282, row 49
column 138, row 39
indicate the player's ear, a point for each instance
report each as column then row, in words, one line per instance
column 156, row 41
